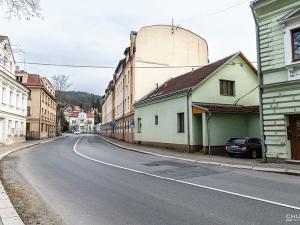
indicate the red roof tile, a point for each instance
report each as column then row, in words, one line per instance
column 34, row 80
column 90, row 115
column 187, row 80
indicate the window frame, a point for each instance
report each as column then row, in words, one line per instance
column 221, row 82
column 156, row 119
column 292, row 31
column 139, row 125
column 180, row 122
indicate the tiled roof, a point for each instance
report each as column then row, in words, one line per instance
column 73, row 114
column 34, row 80
column 226, row 108
column 187, row 80
column 90, row 115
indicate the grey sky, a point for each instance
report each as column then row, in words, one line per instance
column 94, row 32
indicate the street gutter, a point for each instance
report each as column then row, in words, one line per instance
column 8, row 214
column 238, row 166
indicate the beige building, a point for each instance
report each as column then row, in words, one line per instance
column 41, row 109
column 156, row 54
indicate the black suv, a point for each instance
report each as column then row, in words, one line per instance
column 244, row 146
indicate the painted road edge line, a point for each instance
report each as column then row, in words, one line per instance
column 183, row 182
column 8, row 213
column 238, row 166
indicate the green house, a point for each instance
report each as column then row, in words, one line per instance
column 202, row 109
column 278, row 39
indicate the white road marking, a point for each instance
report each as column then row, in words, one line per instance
column 181, row 181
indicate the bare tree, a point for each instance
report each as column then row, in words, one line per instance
column 61, row 84
column 22, row 8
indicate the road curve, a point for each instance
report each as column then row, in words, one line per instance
column 103, row 184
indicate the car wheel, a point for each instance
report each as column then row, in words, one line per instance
column 254, row 154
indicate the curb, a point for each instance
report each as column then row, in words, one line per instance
column 8, row 214
column 238, row 166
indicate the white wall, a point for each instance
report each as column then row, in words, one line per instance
column 13, row 109
column 161, row 46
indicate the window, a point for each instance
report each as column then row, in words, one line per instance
column 17, row 100
column 5, row 62
column 156, row 120
column 227, row 87
column 28, row 111
column 10, row 97
column 139, row 123
column 29, row 95
column 3, row 94
column 19, row 79
column 21, row 128
column 295, row 44
column 180, row 122
column 16, row 127
column 9, row 128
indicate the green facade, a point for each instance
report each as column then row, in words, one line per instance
column 222, row 125
column 281, row 94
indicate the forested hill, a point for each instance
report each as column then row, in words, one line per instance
column 84, row 99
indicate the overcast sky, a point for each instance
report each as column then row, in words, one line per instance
column 96, row 32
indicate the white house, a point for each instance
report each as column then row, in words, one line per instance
column 79, row 121
column 13, row 98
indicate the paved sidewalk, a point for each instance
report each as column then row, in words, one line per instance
column 242, row 163
column 8, row 214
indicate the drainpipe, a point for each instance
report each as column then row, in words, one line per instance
column 208, row 132
column 40, row 114
column 123, row 131
column 188, row 119
column 260, row 78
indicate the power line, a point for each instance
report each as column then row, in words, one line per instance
column 215, row 13
column 113, row 67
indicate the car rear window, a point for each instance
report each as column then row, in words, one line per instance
column 231, row 140
column 239, row 141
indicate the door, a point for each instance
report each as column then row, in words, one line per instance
column 295, row 137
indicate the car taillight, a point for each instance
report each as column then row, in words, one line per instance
column 242, row 146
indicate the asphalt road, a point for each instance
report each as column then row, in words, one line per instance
column 95, row 183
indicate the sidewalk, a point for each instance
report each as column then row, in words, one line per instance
column 242, row 163
column 8, row 214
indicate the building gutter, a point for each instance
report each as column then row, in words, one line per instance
column 260, row 78
column 188, row 118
